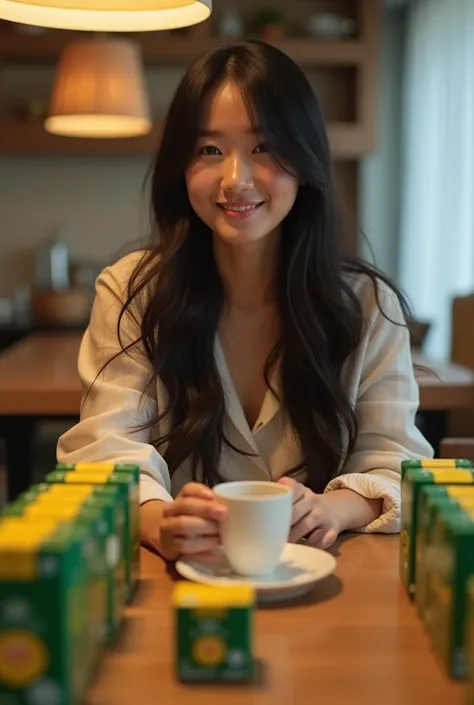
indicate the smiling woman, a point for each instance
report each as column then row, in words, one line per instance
column 242, row 345
column 234, row 184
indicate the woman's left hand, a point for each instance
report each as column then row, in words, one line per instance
column 312, row 517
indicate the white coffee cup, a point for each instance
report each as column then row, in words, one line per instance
column 256, row 527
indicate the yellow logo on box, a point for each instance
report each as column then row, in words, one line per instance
column 23, row 658
column 209, row 650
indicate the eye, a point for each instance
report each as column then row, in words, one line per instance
column 261, row 148
column 209, row 151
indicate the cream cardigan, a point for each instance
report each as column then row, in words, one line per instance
column 378, row 379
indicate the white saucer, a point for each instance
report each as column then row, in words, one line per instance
column 299, row 569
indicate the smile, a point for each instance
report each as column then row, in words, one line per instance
column 239, row 207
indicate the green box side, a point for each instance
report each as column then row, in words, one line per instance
column 93, row 519
column 430, row 504
column 108, row 497
column 454, row 536
column 113, row 495
column 232, row 626
column 411, row 486
column 470, row 640
column 432, row 499
column 111, row 530
column 129, row 497
column 52, row 607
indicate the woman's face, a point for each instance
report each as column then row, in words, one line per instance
column 234, row 185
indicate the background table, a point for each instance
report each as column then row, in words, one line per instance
column 444, row 387
column 355, row 640
column 39, row 380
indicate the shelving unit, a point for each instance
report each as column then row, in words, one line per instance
column 344, row 73
column 21, row 48
column 23, row 137
column 349, row 139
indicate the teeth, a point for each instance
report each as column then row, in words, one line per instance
column 240, row 208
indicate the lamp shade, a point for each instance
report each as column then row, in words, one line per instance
column 107, row 15
column 99, row 91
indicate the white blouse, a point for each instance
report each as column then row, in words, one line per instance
column 378, row 379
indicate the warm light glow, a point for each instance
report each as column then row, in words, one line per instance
column 107, row 15
column 99, row 91
column 98, row 126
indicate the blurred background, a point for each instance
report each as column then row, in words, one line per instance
column 395, row 79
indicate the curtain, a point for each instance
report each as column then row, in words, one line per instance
column 437, row 209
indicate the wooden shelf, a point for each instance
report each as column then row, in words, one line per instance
column 348, row 141
column 46, row 48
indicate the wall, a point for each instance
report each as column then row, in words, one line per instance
column 98, row 202
column 380, row 173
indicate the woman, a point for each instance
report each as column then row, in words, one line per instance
column 244, row 346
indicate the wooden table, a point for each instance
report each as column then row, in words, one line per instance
column 355, row 640
column 38, row 376
column 38, row 380
column 444, row 386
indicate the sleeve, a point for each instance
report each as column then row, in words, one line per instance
column 116, row 405
column 386, row 404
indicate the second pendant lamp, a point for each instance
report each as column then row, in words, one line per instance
column 99, row 91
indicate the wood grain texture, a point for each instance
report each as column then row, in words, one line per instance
column 158, row 49
column 445, row 386
column 38, row 376
column 356, row 639
column 348, row 141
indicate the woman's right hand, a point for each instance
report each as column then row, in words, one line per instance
column 186, row 526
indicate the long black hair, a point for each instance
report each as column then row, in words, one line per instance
column 321, row 317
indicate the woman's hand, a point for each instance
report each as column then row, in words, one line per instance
column 312, row 517
column 186, row 526
column 322, row 517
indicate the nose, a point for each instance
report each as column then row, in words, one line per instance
column 237, row 174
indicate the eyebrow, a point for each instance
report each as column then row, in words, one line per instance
column 219, row 133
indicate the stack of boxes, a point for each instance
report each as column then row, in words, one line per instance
column 437, row 556
column 69, row 562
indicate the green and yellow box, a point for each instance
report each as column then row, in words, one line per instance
column 111, row 529
column 470, row 640
column 107, row 519
column 213, row 633
column 112, row 502
column 434, row 498
column 436, row 464
column 100, row 467
column 452, row 565
column 44, row 640
column 128, row 487
column 96, row 599
column 413, row 481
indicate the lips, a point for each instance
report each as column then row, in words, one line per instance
column 239, row 207
column 238, row 212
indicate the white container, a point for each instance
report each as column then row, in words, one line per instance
column 256, row 528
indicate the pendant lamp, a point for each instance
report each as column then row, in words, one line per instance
column 107, row 15
column 99, row 91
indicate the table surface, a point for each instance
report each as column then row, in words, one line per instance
column 38, row 376
column 355, row 639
